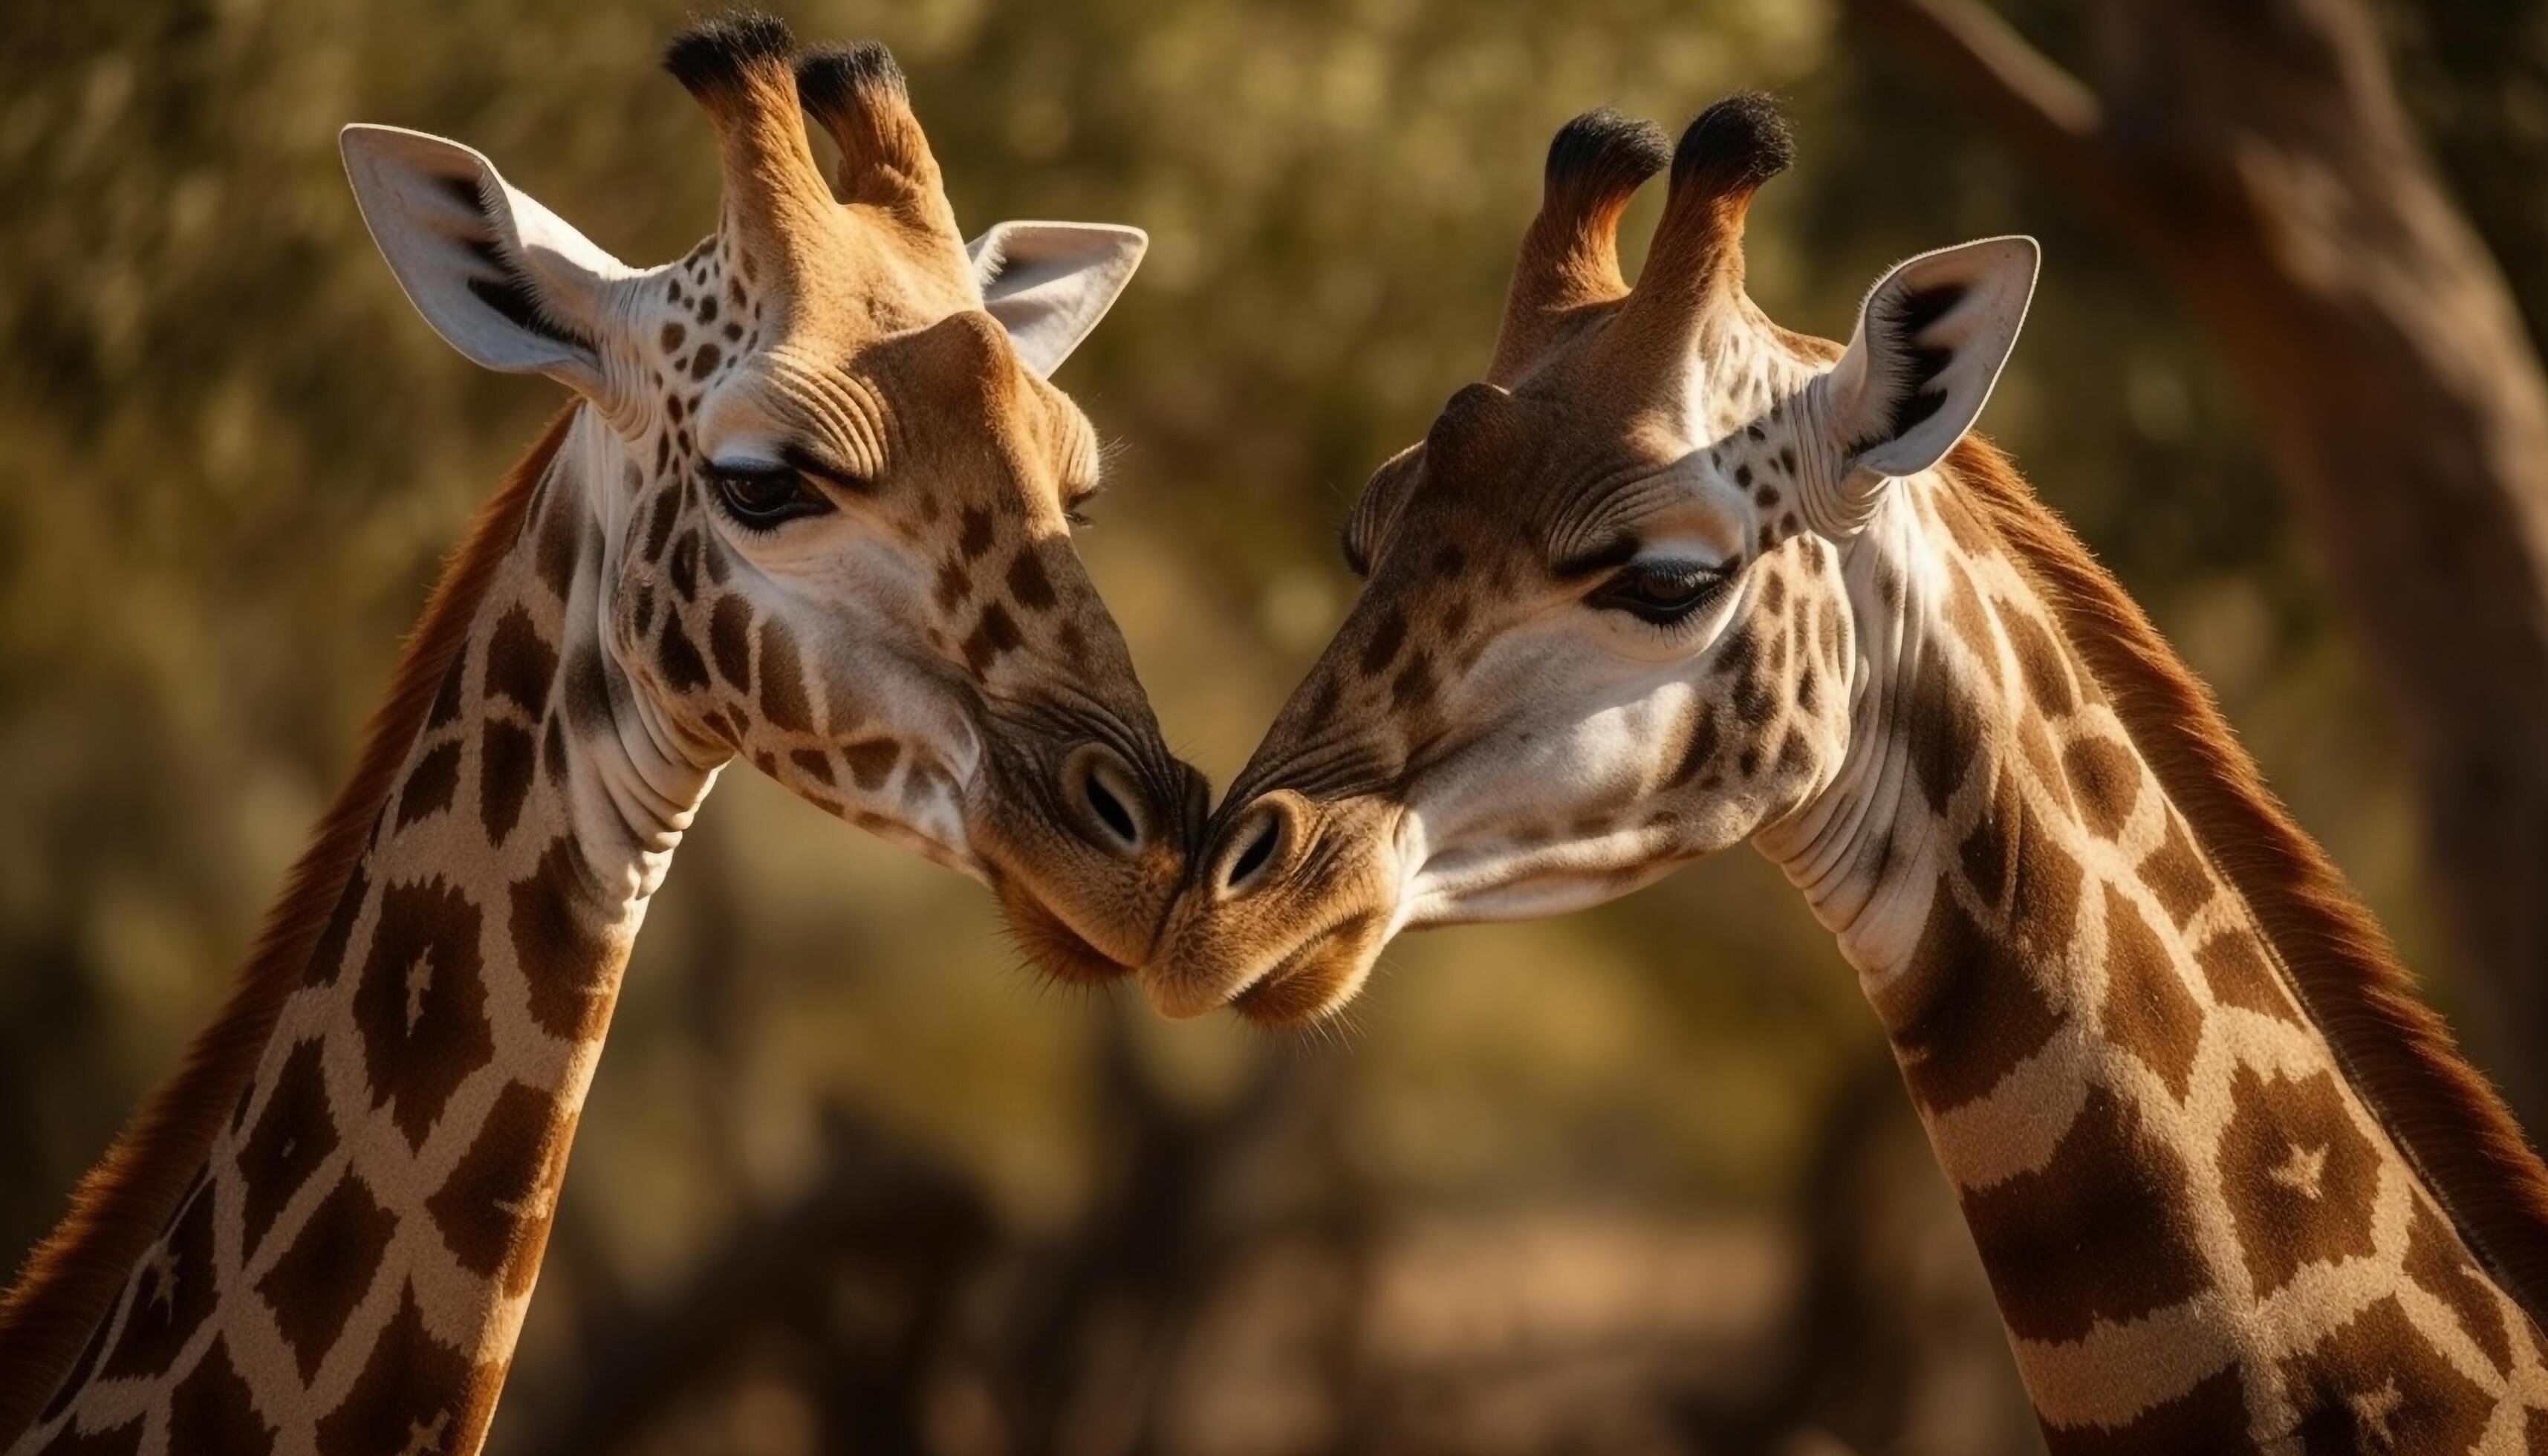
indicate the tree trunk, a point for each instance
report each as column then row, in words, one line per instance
column 2256, row 155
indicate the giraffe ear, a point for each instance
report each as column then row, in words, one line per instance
column 1049, row 282
column 501, row 278
column 1930, row 342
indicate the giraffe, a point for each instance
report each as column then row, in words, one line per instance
column 811, row 507
column 1672, row 577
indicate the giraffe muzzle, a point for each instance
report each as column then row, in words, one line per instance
column 1288, row 907
column 1089, row 848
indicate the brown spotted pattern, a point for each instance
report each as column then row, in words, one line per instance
column 1387, row 709
column 2200, row 1236
column 389, row 1176
column 966, row 687
column 447, row 1020
column 2376, row 1383
column 743, row 665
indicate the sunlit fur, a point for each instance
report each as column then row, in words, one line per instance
column 2231, row 1182
column 125, row 1201
column 923, row 655
column 2455, row 1124
column 1478, row 743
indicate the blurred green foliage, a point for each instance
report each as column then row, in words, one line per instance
column 230, row 457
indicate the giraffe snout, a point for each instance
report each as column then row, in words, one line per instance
column 1289, row 904
column 1090, row 857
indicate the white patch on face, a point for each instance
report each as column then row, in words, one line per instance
column 1541, row 768
column 1528, row 884
column 1715, row 547
column 1701, row 548
column 1500, row 831
column 1579, row 795
column 936, row 823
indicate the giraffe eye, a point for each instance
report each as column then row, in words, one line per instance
column 1662, row 592
column 762, row 498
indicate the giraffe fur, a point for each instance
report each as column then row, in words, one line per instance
column 811, row 511
column 1673, row 578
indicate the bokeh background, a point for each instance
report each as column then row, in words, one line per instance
column 1635, row 1180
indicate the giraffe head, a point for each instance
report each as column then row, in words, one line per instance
column 1603, row 627
column 830, row 487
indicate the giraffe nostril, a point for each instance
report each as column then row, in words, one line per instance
column 1259, row 850
column 1112, row 810
column 1109, row 808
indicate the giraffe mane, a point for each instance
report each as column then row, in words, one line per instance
column 70, row 1282
column 2396, row 1051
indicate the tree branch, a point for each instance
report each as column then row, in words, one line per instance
column 2023, row 96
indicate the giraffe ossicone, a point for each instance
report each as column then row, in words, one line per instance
column 1672, row 578
column 811, row 508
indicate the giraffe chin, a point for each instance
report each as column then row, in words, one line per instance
column 1315, row 979
column 1052, row 945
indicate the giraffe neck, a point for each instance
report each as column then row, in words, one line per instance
column 2200, row 1234
column 351, row 1263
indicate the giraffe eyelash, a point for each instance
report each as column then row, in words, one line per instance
column 764, row 498
column 1357, row 559
column 1104, row 455
column 1663, row 594
column 1075, row 510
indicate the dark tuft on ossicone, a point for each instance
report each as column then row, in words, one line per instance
column 1734, row 146
column 833, row 78
column 713, row 56
column 1606, row 154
